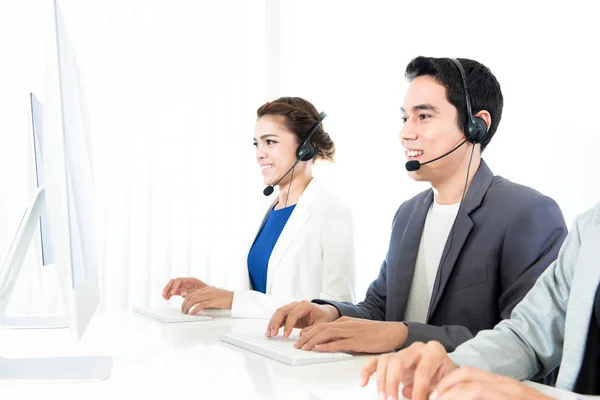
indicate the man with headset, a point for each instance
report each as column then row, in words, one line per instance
column 463, row 253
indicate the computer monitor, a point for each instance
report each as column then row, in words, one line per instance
column 48, row 369
column 11, row 266
column 36, row 282
column 37, row 136
column 67, row 198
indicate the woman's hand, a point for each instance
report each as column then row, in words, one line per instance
column 181, row 287
column 207, row 297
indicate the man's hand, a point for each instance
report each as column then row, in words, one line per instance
column 419, row 368
column 207, row 297
column 300, row 315
column 474, row 384
column 181, row 287
column 353, row 334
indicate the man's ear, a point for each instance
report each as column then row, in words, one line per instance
column 486, row 116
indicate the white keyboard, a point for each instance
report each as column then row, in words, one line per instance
column 281, row 349
column 169, row 315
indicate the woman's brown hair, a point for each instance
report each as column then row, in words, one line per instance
column 299, row 117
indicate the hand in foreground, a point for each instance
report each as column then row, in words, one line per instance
column 474, row 384
column 207, row 297
column 425, row 372
column 418, row 368
column 300, row 315
column 354, row 334
column 181, row 287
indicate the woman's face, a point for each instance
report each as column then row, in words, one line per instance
column 275, row 148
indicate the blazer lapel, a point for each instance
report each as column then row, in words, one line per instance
column 579, row 309
column 460, row 232
column 292, row 228
column 407, row 254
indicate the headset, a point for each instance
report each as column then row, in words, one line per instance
column 475, row 132
column 306, row 151
column 476, row 128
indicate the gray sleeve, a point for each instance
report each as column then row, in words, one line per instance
column 529, row 345
column 373, row 307
column 450, row 336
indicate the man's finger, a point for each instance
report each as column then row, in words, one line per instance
column 329, row 334
column 382, row 365
column 395, row 374
column 407, row 391
column 367, row 371
column 336, row 345
column 462, row 375
column 474, row 391
column 309, row 335
column 407, row 359
column 307, row 329
column 432, row 359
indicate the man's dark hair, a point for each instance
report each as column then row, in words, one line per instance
column 484, row 89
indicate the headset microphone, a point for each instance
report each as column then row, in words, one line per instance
column 414, row 165
column 269, row 189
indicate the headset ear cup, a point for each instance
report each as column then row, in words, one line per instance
column 306, row 152
column 477, row 130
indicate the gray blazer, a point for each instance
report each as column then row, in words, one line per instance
column 505, row 236
column 550, row 326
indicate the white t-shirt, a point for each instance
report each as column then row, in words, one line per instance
column 437, row 227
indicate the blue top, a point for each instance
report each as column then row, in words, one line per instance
column 258, row 257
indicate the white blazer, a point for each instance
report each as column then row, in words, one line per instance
column 313, row 258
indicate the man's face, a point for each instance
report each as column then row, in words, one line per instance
column 430, row 129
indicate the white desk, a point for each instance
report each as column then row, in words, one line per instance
column 156, row 360
column 169, row 361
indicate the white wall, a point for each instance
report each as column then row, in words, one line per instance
column 21, row 71
column 172, row 87
column 349, row 58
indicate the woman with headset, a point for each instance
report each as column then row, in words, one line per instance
column 304, row 247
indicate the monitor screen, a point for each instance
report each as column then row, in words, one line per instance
column 37, row 125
